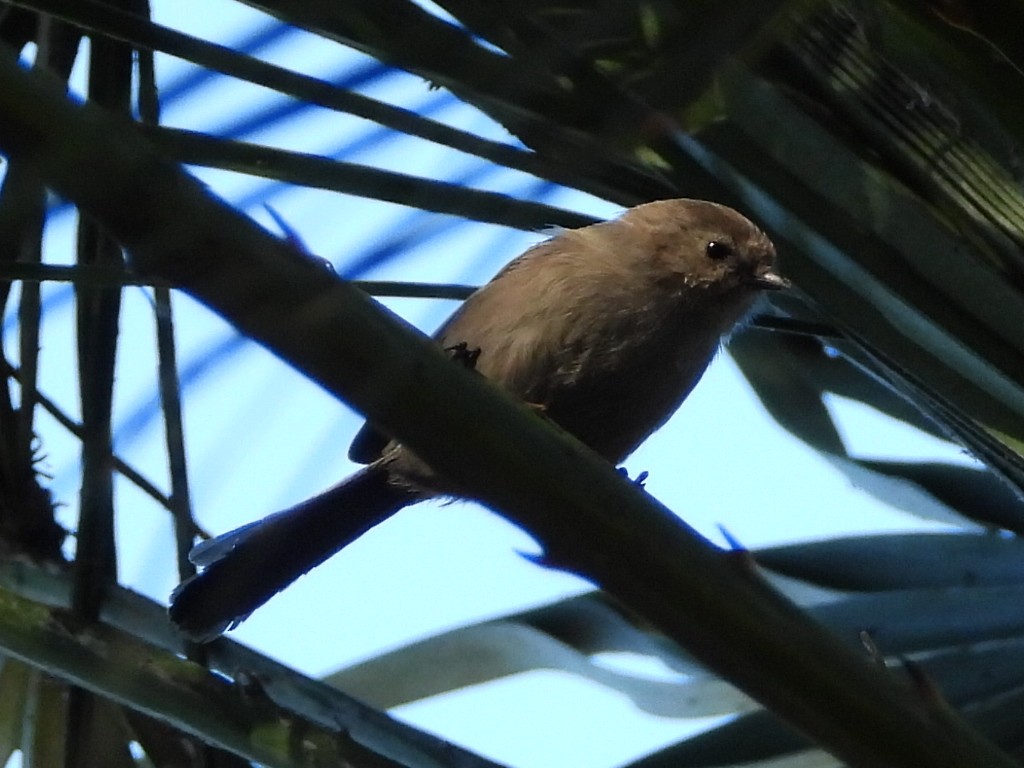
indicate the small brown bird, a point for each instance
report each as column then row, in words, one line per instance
column 605, row 328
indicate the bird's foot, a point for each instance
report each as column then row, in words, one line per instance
column 640, row 479
column 462, row 353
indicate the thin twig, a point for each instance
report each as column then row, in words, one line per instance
column 107, row 276
column 167, row 359
column 76, row 429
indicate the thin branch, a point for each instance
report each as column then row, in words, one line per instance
column 79, row 274
column 98, row 314
column 315, row 171
column 170, row 399
column 76, row 429
column 167, row 358
column 95, row 275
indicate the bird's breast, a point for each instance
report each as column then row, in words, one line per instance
column 613, row 388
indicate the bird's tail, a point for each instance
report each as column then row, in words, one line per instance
column 244, row 568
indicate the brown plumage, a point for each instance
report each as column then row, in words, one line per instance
column 606, row 328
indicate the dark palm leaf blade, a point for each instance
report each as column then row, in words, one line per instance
column 985, row 682
column 408, row 36
column 892, row 335
column 594, row 623
column 27, row 521
column 999, row 719
column 974, row 493
column 974, row 675
column 901, row 561
column 1000, row 451
column 792, row 375
column 866, row 302
column 566, row 635
column 931, row 299
column 517, row 93
column 626, row 64
column 992, row 709
column 312, row 91
column 782, row 371
column 913, row 620
column 319, row 172
column 747, row 740
column 788, row 358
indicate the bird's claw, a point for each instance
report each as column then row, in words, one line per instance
column 462, row 353
column 640, row 479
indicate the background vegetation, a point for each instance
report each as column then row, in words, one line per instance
column 877, row 144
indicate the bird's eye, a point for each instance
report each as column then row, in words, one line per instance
column 718, row 250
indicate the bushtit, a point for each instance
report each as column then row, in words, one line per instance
column 604, row 329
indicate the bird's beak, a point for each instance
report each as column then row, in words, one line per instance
column 769, row 281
